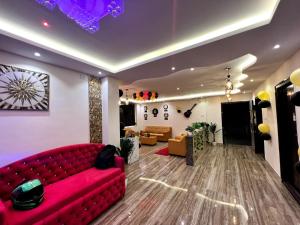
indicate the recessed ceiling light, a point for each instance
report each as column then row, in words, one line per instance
column 244, row 92
column 37, row 54
column 45, row 24
column 276, row 46
column 99, row 72
column 173, row 68
column 178, row 89
column 192, row 69
column 201, row 85
column 251, row 80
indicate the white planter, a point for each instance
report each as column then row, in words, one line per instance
column 135, row 152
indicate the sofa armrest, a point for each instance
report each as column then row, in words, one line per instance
column 119, row 163
column 2, row 214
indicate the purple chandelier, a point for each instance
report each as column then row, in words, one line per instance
column 86, row 13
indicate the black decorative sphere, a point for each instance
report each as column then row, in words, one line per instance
column 156, row 95
column 134, row 95
column 120, row 93
column 297, row 166
column 295, row 98
column 264, row 104
column 141, row 94
column 178, row 110
column 265, row 136
column 149, row 95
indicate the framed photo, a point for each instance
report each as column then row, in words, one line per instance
column 166, row 116
column 165, row 107
column 155, row 112
column 23, row 90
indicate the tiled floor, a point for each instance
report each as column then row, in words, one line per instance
column 226, row 186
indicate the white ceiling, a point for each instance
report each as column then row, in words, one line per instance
column 147, row 31
column 148, row 26
column 200, row 80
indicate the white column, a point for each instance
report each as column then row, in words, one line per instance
column 110, row 111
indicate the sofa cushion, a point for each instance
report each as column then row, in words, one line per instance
column 61, row 193
column 158, row 129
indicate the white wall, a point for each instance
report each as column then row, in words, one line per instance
column 67, row 122
column 110, row 111
column 207, row 110
column 270, row 116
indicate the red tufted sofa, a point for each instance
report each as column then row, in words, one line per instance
column 75, row 191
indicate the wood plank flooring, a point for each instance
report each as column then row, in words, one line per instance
column 226, row 186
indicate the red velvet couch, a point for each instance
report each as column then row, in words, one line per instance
column 75, row 191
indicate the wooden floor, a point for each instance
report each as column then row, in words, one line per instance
column 226, row 186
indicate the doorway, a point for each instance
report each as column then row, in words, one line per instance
column 259, row 146
column 287, row 135
column 236, row 123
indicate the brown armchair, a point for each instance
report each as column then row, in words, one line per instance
column 177, row 146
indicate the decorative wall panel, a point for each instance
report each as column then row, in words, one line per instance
column 22, row 89
column 95, row 110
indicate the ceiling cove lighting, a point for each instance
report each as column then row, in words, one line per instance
column 242, row 77
column 238, row 85
column 17, row 31
column 86, row 13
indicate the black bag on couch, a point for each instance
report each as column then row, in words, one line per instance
column 106, row 158
column 28, row 195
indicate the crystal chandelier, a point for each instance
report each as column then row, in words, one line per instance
column 228, row 84
column 86, row 13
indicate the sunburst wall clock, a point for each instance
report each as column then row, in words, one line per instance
column 22, row 89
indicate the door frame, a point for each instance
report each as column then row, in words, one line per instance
column 222, row 118
column 283, row 140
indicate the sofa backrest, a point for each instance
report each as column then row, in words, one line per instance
column 48, row 166
column 158, row 129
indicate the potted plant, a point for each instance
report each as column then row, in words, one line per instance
column 126, row 148
column 213, row 130
column 190, row 130
column 197, row 126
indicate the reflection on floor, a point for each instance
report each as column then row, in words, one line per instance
column 227, row 186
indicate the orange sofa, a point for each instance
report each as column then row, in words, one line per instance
column 162, row 133
column 177, row 146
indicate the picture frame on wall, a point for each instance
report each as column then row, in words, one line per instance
column 23, row 90
column 165, row 107
column 155, row 112
column 166, row 116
